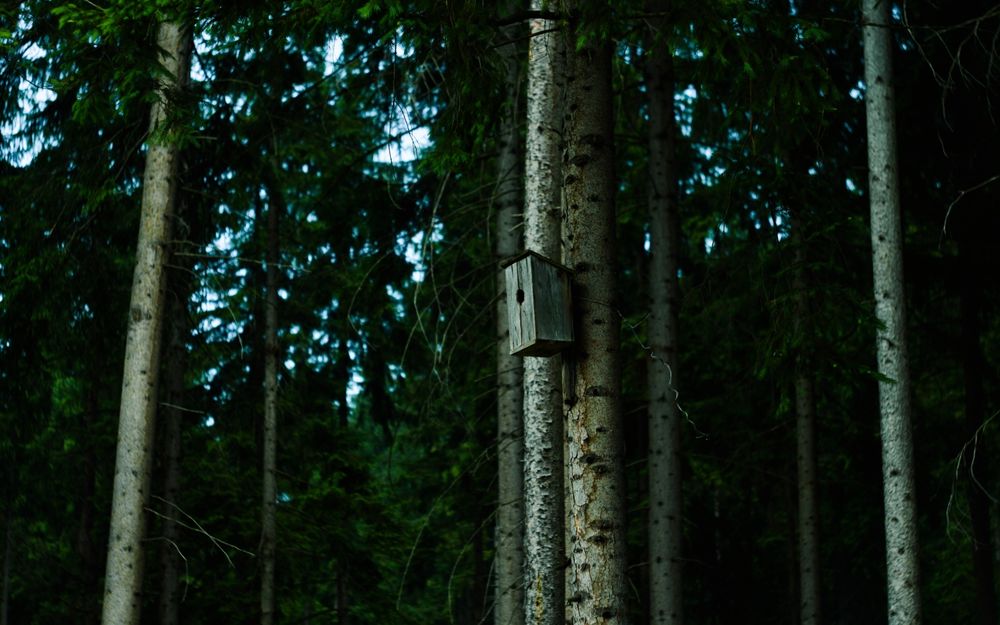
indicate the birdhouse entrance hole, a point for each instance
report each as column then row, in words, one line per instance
column 538, row 305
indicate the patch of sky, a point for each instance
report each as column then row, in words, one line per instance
column 684, row 104
column 283, row 294
column 412, row 249
column 850, row 185
column 396, row 371
column 858, row 91
column 294, row 330
column 20, row 145
column 202, row 47
column 208, row 421
column 332, row 53
column 354, row 387
column 209, row 376
column 709, row 242
column 646, row 241
column 409, row 143
column 289, row 364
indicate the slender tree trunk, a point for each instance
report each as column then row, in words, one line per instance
column 89, row 560
column 665, row 515
column 805, row 436
column 176, row 367
column 975, row 409
column 543, row 414
column 5, row 598
column 342, row 374
column 342, row 606
column 887, row 256
column 269, row 487
column 123, row 578
column 596, row 470
column 509, row 602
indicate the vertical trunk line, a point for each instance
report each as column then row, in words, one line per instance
column 597, row 582
column 665, row 500
column 975, row 411
column 133, row 461
column 5, row 599
column 805, row 436
column 543, row 414
column 903, row 578
column 175, row 371
column 509, row 590
column 269, row 483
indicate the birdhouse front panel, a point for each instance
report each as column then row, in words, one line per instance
column 538, row 306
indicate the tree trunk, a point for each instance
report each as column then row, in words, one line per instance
column 975, row 409
column 665, row 515
column 544, row 579
column 805, row 437
column 342, row 605
column 176, row 367
column 5, row 592
column 887, row 259
column 123, row 579
column 508, row 604
column 595, row 462
column 269, row 488
column 342, row 377
column 89, row 560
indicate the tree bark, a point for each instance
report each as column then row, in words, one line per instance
column 975, row 410
column 509, row 602
column 342, row 605
column 89, row 559
column 176, row 367
column 665, row 514
column 805, row 436
column 5, row 592
column 595, row 458
column 887, row 259
column 544, row 578
column 269, row 492
column 123, row 578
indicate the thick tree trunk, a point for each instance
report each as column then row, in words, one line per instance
column 544, row 577
column 509, row 601
column 665, row 515
column 805, row 436
column 975, row 410
column 269, row 492
column 597, row 583
column 123, row 579
column 176, row 366
column 887, row 259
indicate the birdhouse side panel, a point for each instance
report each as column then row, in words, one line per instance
column 553, row 320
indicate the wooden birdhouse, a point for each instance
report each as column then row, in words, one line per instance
column 538, row 305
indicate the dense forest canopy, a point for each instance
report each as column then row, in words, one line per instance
column 347, row 180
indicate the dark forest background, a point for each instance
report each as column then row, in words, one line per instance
column 373, row 126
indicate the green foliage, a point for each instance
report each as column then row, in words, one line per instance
column 386, row 459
